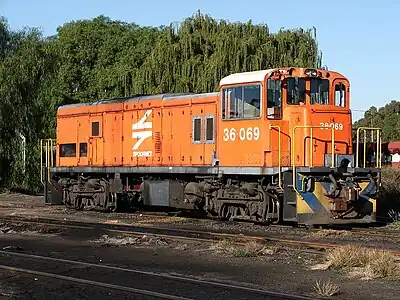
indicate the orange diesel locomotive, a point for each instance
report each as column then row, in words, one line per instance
column 272, row 145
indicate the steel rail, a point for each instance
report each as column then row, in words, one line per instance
column 195, row 235
column 166, row 276
column 94, row 283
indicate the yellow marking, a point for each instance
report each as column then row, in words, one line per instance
column 373, row 201
column 302, row 207
column 363, row 185
column 319, row 194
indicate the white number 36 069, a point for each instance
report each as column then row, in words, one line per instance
column 250, row 133
column 336, row 126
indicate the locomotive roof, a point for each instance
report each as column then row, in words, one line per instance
column 245, row 77
column 138, row 98
column 257, row 76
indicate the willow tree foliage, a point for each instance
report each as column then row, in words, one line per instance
column 88, row 60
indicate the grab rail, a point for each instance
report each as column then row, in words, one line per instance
column 48, row 162
column 378, row 146
column 311, row 149
column 279, row 153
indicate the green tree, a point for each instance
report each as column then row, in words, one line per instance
column 100, row 58
column 197, row 54
column 25, row 76
column 89, row 60
column 387, row 118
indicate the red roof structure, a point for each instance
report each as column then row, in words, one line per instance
column 394, row 147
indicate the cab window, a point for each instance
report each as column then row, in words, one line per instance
column 95, row 128
column 241, row 102
column 296, row 91
column 340, row 94
column 68, row 150
column 274, row 103
column 319, row 91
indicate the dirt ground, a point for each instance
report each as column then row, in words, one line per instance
column 272, row 268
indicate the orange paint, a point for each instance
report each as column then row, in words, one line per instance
column 157, row 131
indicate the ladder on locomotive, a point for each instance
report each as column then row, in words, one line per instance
column 47, row 161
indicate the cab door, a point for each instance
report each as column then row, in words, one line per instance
column 96, row 140
column 278, row 152
column 342, row 121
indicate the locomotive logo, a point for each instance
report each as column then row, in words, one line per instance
column 142, row 135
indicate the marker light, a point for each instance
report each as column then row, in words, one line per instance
column 311, row 72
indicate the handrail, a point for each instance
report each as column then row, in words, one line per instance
column 311, row 142
column 311, row 149
column 378, row 146
column 48, row 160
column 41, row 161
column 279, row 154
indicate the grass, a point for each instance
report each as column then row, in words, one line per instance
column 394, row 225
column 389, row 199
column 360, row 262
column 326, row 288
column 323, row 233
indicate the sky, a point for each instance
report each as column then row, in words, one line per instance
column 357, row 37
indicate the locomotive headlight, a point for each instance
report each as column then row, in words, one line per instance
column 311, row 72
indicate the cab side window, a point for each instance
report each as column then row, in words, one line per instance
column 274, row 102
column 340, row 94
column 196, row 130
column 95, row 128
column 68, row 150
column 241, row 102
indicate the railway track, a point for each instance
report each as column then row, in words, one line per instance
column 377, row 233
column 187, row 285
column 170, row 233
column 301, row 244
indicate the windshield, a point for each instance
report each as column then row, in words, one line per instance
column 296, row 90
column 319, row 91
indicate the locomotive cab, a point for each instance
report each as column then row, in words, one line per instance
column 301, row 134
column 310, row 105
column 317, row 109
